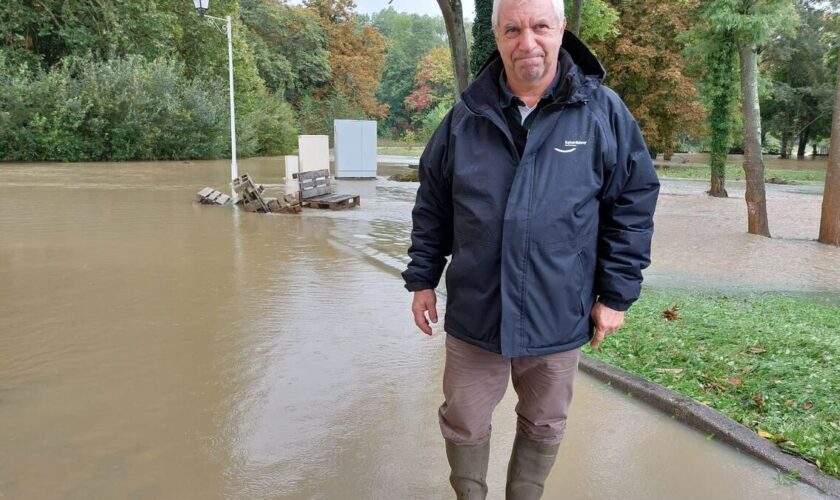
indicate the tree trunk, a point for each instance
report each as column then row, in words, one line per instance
column 830, row 221
column 577, row 11
column 753, row 164
column 718, row 188
column 453, row 17
column 719, row 128
column 783, row 146
column 803, row 142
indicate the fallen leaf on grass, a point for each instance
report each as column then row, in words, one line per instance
column 756, row 350
column 759, row 399
column 734, row 381
column 714, row 386
column 776, row 438
column 671, row 313
column 675, row 371
column 808, row 406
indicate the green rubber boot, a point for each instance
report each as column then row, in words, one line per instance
column 530, row 463
column 469, row 469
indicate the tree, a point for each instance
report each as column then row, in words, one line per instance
column 357, row 57
column 726, row 28
column 598, row 21
column 574, row 19
column 453, row 17
column 432, row 83
column 714, row 49
column 755, row 21
column 799, row 96
column 290, row 47
column 484, row 43
column 830, row 220
column 648, row 71
column 408, row 38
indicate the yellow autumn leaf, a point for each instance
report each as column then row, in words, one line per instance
column 764, row 434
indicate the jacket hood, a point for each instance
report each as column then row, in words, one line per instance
column 584, row 72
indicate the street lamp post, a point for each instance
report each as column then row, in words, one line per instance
column 201, row 6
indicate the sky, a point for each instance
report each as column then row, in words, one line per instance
column 428, row 7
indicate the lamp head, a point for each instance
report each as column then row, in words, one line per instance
column 201, row 6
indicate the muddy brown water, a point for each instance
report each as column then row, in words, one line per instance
column 154, row 348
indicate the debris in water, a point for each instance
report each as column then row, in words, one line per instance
column 251, row 199
column 209, row 196
column 315, row 191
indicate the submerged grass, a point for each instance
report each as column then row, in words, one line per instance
column 736, row 172
column 770, row 362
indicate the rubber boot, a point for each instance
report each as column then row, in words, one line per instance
column 469, row 469
column 530, row 463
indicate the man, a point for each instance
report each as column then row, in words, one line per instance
column 539, row 185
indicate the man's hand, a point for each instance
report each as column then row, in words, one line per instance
column 607, row 321
column 424, row 301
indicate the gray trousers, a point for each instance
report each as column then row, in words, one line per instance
column 475, row 380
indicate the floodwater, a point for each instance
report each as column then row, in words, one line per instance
column 154, row 348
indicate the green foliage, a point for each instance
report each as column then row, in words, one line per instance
column 408, row 38
column 484, row 44
column 768, row 362
column 46, row 31
column 290, row 47
column 149, row 80
column 432, row 119
column 127, row 109
column 714, row 49
column 269, row 130
column 316, row 116
column 799, row 89
column 598, row 20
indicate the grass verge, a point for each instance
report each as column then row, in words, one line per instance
column 397, row 148
column 736, row 172
column 770, row 362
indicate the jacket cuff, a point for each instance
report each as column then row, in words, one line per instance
column 418, row 285
column 615, row 304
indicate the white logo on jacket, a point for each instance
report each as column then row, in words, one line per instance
column 570, row 146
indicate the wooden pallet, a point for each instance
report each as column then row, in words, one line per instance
column 334, row 201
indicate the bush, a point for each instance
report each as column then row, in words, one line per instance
column 269, row 130
column 128, row 109
column 432, row 119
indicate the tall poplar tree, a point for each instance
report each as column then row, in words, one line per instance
column 714, row 43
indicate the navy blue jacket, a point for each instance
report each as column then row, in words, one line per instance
column 534, row 240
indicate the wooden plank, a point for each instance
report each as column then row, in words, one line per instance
column 312, row 174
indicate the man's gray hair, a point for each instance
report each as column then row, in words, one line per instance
column 494, row 19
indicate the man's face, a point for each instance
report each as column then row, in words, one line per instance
column 528, row 36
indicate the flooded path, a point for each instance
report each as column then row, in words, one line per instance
column 152, row 348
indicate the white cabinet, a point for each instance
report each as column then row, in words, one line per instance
column 355, row 149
